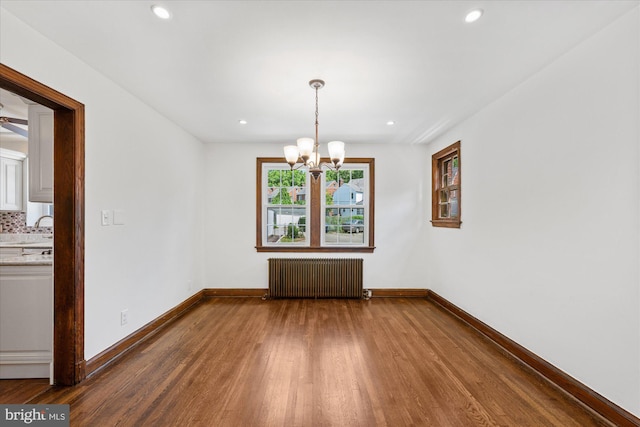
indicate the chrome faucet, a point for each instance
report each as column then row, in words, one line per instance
column 37, row 223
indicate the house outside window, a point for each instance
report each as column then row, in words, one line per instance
column 332, row 214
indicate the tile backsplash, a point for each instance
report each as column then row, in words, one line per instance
column 16, row 222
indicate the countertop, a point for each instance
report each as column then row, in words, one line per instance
column 33, row 241
column 27, row 260
column 32, row 244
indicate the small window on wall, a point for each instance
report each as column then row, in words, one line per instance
column 446, row 196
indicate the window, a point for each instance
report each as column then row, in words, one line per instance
column 296, row 213
column 446, row 196
column 345, row 206
column 286, row 207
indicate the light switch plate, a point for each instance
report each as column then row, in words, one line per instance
column 106, row 217
column 118, row 217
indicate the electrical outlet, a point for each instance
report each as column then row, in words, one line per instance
column 124, row 317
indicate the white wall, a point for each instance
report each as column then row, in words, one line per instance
column 548, row 251
column 232, row 260
column 136, row 161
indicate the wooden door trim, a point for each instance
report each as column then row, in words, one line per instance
column 68, row 183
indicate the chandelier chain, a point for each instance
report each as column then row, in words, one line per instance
column 316, row 142
column 316, row 104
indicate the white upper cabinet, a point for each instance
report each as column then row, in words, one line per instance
column 40, row 154
column 11, row 180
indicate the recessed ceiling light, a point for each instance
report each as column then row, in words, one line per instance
column 160, row 11
column 473, row 15
column 242, row 122
column 391, row 123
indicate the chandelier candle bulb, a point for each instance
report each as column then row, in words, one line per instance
column 336, row 151
column 305, row 145
column 291, row 153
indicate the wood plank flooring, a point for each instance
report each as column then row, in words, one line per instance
column 22, row 391
column 382, row 362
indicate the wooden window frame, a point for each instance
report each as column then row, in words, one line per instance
column 436, row 161
column 314, row 223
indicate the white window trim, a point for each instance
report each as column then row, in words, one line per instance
column 265, row 207
column 350, row 166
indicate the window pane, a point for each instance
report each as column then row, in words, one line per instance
column 274, row 178
column 332, row 220
column 286, row 225
column 444, row 170
column 351, row 232
column 299, row 178
column 453, row 203
column 298, row 195
column 273, row 230
column 272, row 192
column 454, row 172
column 444, row 210
column 330, row 188
column 344, row 225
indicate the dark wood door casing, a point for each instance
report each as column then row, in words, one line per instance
column 68, row 222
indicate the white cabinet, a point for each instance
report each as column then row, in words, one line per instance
column 40, row 154
column 26, row 321
column 11, row 180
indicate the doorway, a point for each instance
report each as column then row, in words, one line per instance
column 68, row 264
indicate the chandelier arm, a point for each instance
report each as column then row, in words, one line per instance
column 300, row 166
column 330, row 166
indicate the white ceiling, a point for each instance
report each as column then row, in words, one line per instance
column 415, row 62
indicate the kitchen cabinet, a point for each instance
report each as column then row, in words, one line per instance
column 40, row 154
column 26, row 321
column 11, row 180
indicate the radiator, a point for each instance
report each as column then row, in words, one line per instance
column 315, row 278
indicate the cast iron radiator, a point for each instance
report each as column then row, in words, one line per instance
column 315, row 278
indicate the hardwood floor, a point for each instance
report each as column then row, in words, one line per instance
column 248, row 362
column 22, row 391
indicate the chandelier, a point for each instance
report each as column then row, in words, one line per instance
column 307, row 149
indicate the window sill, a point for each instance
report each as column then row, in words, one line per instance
column 446, row 223
column 361, row 249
